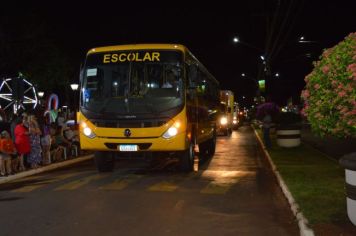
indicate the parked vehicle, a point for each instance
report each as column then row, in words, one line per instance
column 226, row 112
column 146, row 99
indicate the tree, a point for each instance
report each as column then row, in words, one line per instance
column 27, row 47
column 330, row 92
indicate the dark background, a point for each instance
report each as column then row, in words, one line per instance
column 48, row 41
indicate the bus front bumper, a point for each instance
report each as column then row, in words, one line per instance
column 156, row 144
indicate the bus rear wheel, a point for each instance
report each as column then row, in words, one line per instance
column 212, row 146
column 104, row 161
column 187, row 158
column 207, row 149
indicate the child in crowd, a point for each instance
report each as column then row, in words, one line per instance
column 59, row 145
column 70, row 134
column 7, row 149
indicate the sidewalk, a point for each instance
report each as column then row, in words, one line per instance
column 45, row 168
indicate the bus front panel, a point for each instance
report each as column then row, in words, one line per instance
column 151, row 139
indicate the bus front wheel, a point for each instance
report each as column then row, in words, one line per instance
column 187, row 158
column 104, row 161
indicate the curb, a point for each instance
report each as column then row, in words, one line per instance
column 302, row 221
column 44, row 169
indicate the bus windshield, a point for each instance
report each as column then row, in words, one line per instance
column 133, row 83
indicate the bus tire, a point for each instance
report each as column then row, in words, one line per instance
column 187, row 158
column 207, row 149
column 104, row 161
column 203, row 149
column 212, row 146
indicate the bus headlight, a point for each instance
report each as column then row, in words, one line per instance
column 88, row 132
column 234, row 121
column 223, row 120
column 172, row 131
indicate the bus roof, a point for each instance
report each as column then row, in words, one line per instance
column 138, row 47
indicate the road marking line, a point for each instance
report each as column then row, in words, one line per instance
column 29, row 188
column 26, row 179
column 216, row 188
column 40, row 184
column 163, row 186
column 80, row 182
column 121, row 182
column 179, row 205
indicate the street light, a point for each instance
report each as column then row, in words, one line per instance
column 236, row 40
column 40, row 94
column 302, row 40
column 74, row 86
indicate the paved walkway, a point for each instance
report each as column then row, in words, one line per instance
column 41, row 169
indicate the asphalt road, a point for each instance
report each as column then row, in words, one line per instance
column 234, row 193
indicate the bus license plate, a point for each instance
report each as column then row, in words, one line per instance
column 128, row 148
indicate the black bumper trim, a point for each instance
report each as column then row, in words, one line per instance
column 351, row 191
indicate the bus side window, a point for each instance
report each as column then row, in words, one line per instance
column 192, row 76
column 95, row 84
column 201, row 84
column 191, row 71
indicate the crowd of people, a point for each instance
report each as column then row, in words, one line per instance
column 29, row 143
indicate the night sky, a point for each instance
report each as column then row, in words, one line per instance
column 264, row 26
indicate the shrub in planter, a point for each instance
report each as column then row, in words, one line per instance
column 330, row 95
column 288, row 129
column 330, row 101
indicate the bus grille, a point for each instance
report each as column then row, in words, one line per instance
column 142, row 146
column 128, row 123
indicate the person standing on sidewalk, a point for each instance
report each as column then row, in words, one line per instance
column 22, row 141
column 35, row 154
column 46, row 142
column 266, row 126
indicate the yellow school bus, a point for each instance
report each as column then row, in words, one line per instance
column 148, row 99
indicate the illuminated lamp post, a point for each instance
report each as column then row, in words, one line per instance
column 265, row 62
column 74, row 87
column 40, row 95
column 267, row 59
